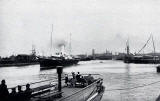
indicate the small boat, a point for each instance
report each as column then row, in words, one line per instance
column 92, row 91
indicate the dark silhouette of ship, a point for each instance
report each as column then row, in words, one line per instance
column 59, row 60
column 142, row 58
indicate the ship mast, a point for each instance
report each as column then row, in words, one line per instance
column 70, row 45
column 33, row 50
column 153, row 45
column 128, row 50
column 51, row 41
column 154, row 48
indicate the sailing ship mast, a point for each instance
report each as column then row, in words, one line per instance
column 51, row 41
column 70, row 45
column 153, row 45
column 127, row 47
column 33, row 50
column 154, row 49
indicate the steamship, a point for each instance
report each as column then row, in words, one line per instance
column 57, row 60
column 60, row 59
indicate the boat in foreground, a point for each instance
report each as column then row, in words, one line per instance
column 50, row 90
column 78, row 93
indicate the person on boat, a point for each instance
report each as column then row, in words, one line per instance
column 28, row 92
column 99, row 86
column 78, row 77
column 83, row 81
column 73, row 75
column 20, row 94
column 4, row 94
column 66, row 79
column 13, row 95
column 73, row 80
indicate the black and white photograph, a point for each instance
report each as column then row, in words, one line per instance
column 79, row 50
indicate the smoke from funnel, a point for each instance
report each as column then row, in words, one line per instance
column 60, row 44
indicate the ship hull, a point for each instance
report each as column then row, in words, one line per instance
column 57, row 62
column 142, row 60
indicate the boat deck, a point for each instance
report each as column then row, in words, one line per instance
column 47, row 90
column 66, row 91
column 77, row 93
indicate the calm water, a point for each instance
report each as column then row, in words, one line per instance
column 123, row 82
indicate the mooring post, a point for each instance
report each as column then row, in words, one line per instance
column 59, row 71
column 158, row 69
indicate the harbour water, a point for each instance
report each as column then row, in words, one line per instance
column 123, row 82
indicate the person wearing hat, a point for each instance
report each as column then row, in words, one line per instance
column 28, row 92
column 4, row 94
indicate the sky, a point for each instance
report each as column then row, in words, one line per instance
column 93, row 24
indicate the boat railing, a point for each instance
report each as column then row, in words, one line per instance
column 95, row 75
column 44, row 86
column 82, row 94
column 35, row 86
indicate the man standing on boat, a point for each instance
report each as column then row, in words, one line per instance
column 78, row 77
column 3, row 91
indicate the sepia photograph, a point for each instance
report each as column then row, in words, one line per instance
column 79, row 50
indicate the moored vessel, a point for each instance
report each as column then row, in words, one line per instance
column 59, row 59
column 54, row 61
column 138, row 58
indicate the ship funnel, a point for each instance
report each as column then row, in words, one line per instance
column 63, row 49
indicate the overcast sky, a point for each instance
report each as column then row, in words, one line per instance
column 98, row 24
